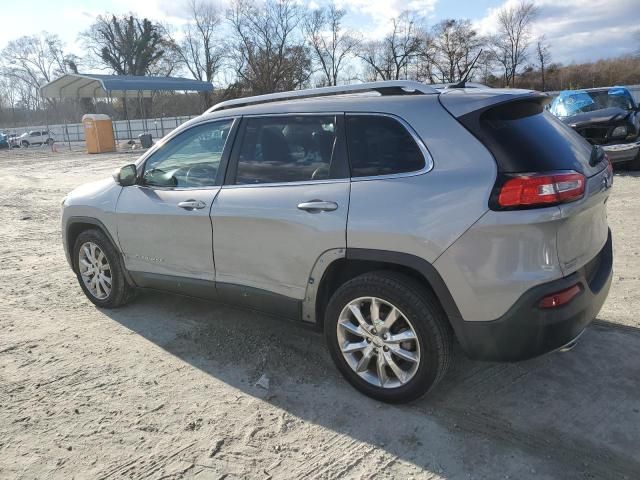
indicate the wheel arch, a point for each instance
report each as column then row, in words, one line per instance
column 76, row 225
column 357, row 261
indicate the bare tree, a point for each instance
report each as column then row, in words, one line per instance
column 455, row 45
column 391, row 58
column 511, row 44
column 127, row 45
column 31, row 61
column 330, row 44
column 201, row 50
column 543, row 55
column 269, row 53
column 485, row 67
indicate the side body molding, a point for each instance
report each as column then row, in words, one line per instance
column 317, row 272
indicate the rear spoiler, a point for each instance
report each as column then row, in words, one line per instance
column 462, row 102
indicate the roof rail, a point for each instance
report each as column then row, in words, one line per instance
column 390, row 87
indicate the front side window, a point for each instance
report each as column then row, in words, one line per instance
column 286, row 149
column 381, row 145
column 191, row 159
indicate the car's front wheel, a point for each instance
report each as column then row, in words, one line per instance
column 100, row 271
column 24, row 144
column 388, row 336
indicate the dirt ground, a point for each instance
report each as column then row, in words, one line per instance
column 165, row 388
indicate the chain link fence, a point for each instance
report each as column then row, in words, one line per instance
column 45, row 140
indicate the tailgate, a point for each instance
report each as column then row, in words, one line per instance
column 583, row 229
column 526, row 140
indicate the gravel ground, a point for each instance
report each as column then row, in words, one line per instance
column 166, row 387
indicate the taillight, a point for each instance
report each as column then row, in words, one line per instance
column 539, row 189
column 560, row 298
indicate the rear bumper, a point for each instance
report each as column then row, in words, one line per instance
column 622, row 152
column 527, row 331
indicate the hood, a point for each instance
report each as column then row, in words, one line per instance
column 609, row 115
column 95, row 193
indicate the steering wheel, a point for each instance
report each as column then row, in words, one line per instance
column 159, row 177
column 200, row 175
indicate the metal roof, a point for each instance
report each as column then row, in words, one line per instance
column 89, row 85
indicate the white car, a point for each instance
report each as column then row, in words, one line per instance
column 34, row 137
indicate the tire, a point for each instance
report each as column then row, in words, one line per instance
column 120, row 291
column 24, row 144
column 425, row 319
column 49, row 141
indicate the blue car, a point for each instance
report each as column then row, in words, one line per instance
column 4, row 141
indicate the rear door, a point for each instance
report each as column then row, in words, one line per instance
column 284, row 203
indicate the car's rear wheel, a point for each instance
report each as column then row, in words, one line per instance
column 49, row 141
column 100, row 271
column 388, row 336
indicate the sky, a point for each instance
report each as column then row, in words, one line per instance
column 577, row 30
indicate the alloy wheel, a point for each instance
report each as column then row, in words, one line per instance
column 95, row 270
column 378, row 342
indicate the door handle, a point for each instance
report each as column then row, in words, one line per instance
column 192, row 204
column 315, row 206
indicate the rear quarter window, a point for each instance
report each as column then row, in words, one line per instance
column 523, row 138
column 381, row 145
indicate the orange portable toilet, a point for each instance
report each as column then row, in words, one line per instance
column 98, row 133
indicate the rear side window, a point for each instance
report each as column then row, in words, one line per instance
column 524, row 138
column 286, row 149
column 381, row 145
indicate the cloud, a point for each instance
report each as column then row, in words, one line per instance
column 378, row 13
column 579, row 30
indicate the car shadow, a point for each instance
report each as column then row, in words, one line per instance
column 576, row 414
column 624, row 172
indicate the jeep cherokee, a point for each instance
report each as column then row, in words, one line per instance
column 395, row 216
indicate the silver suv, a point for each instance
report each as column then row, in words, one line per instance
column 395, row 216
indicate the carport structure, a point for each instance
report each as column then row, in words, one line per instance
column 93, row 86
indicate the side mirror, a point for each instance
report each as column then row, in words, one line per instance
column 126, row 176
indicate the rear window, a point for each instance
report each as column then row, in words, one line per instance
column 524, row 138
column 380, row 145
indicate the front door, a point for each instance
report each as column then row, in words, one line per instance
column 164, row 227
column 284, row 203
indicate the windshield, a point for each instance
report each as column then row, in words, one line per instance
column 571, row 103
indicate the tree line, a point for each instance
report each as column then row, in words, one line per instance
column 255, row 48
